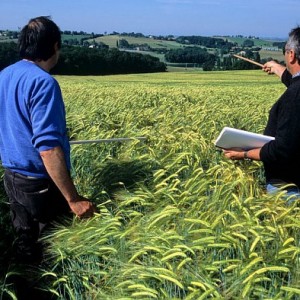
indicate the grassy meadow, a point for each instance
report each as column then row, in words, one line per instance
column 176, row 219
column 111, row 41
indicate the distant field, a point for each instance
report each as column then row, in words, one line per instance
column 158, row 55
column 111, row 41
column 7, row 40
column 257, row 42
column 66, row 37
column 278, row 55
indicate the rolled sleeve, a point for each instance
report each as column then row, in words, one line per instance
column 47, row 116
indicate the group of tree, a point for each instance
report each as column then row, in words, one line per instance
column 229, row 62
column 123, row 44
column 91, row 61
column 9, row 34
column 141, row 35
column 209, row 61
column 195, row 55
column 85, row 42
column 280, row 45
column 8, row 54
column 208, row 42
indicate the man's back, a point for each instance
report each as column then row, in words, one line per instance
column 33, row 117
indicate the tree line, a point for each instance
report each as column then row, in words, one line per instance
column 89, row 61
column 195, row 55
column 210, row 61
column 208, row 42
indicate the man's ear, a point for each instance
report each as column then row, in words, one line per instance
column 291, row 55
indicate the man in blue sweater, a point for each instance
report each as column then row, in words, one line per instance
column 281, row 157
column 34, row 145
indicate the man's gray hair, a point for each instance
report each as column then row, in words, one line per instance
column 293, row 42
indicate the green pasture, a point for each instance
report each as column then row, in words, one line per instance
column 257, row 42
column 111, row 41
column 277, row 55
column 175, row 220
column 78, row 37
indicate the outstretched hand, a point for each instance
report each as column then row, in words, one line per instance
column 272, row 67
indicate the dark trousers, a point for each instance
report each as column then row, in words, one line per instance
column 34, row 203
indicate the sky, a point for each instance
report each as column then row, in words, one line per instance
column 261, row 18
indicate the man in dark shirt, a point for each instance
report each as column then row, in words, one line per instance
column 281, row 157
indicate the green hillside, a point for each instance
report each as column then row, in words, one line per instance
column 111, row 41
column 257, row 42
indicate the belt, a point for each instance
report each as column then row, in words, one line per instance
column 19, row 175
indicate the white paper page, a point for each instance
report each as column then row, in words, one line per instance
column 236, row 138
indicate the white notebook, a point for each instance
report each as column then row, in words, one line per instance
column 237, row 138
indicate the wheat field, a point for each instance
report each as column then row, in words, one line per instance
column 175, row 220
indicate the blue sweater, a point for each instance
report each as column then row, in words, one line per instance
column 32, row 118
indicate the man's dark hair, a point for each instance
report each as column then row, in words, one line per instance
column 38, row 38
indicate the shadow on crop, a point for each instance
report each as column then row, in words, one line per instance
column 116, row 175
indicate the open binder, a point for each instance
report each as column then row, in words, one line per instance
column 236, row 138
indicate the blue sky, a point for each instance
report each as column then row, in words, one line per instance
column 263, row 18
